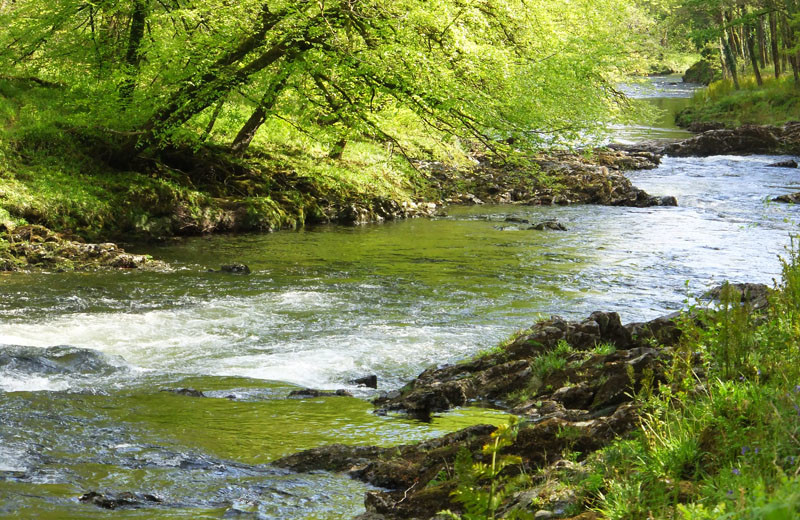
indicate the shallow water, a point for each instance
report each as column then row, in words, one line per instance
column 323, row 306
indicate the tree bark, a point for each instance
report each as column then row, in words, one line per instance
column 751, row 50
column 730, row 61
column 132, row 56
column 773, row 31
column 248, row 131
column 214, row 117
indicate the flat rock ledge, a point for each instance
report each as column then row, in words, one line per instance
column 36, row 247
column 746, row 139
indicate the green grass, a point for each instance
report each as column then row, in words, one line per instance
column 777, row 102
column 721, row 440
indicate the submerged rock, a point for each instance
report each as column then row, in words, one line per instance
column 791, row 163
column 370, row 381
column 791, row 198
column 310, row 392
column 125, row 499
column 61, row 359
column 552, row 225
column 235, row 269
column 190, row 392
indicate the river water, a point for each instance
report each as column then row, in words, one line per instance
column 322, row 307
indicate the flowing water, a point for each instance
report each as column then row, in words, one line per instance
column 322, row 307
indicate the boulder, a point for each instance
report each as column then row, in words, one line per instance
column 791, row 163
column 551, row 225
column 747, row 139
column 235, row 268
column 791, row 198
column 370, row 381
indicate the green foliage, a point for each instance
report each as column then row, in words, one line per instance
column 482, row 487
column 444, row 70
column 776, row 102
column 721, row 447
column 551, row 361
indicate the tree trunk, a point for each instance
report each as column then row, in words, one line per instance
column 730, row 61
column 132, row 56
column 214, row 116
column 773, row 30
column 788, row 43
column 248, row 131
column 751, row 50
column 761, row 36
column 338, row 149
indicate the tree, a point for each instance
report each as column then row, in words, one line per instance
column 532, row 72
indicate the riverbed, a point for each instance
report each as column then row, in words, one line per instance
column 324, row 306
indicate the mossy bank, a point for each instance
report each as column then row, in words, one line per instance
column 76, row 180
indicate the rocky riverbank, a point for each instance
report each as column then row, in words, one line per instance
column 30, row 246
column 743, row 140
column 290, row 201
column 574, row 386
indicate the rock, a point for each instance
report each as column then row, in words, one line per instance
column 517, row 220
column 791, row 163
column 498, row 375
column 746, row 139
column 552, row 225
column 667, row 200
column 544, row 514
column 703, row 72
column 334, row 457
column 61, row 359
column 370, row 381
column 190, row 392
column 755, row 294
column 704, row 126
column 792, row 198
column 235, row 269
column 311, row 393
column 37, row 247
column 122, row 500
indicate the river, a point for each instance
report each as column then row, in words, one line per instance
column 326, row 305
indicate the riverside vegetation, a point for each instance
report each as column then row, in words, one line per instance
column 140, row 120
column 691, row 416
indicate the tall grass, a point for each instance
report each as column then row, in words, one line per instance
column 776, row 102
column 727, row 445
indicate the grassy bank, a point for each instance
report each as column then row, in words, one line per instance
column 61, row 171
column 774, row 103
column 718, row 432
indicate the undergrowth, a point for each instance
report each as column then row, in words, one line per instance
column 718, row 438
column 59, row 168
column 776, row 102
